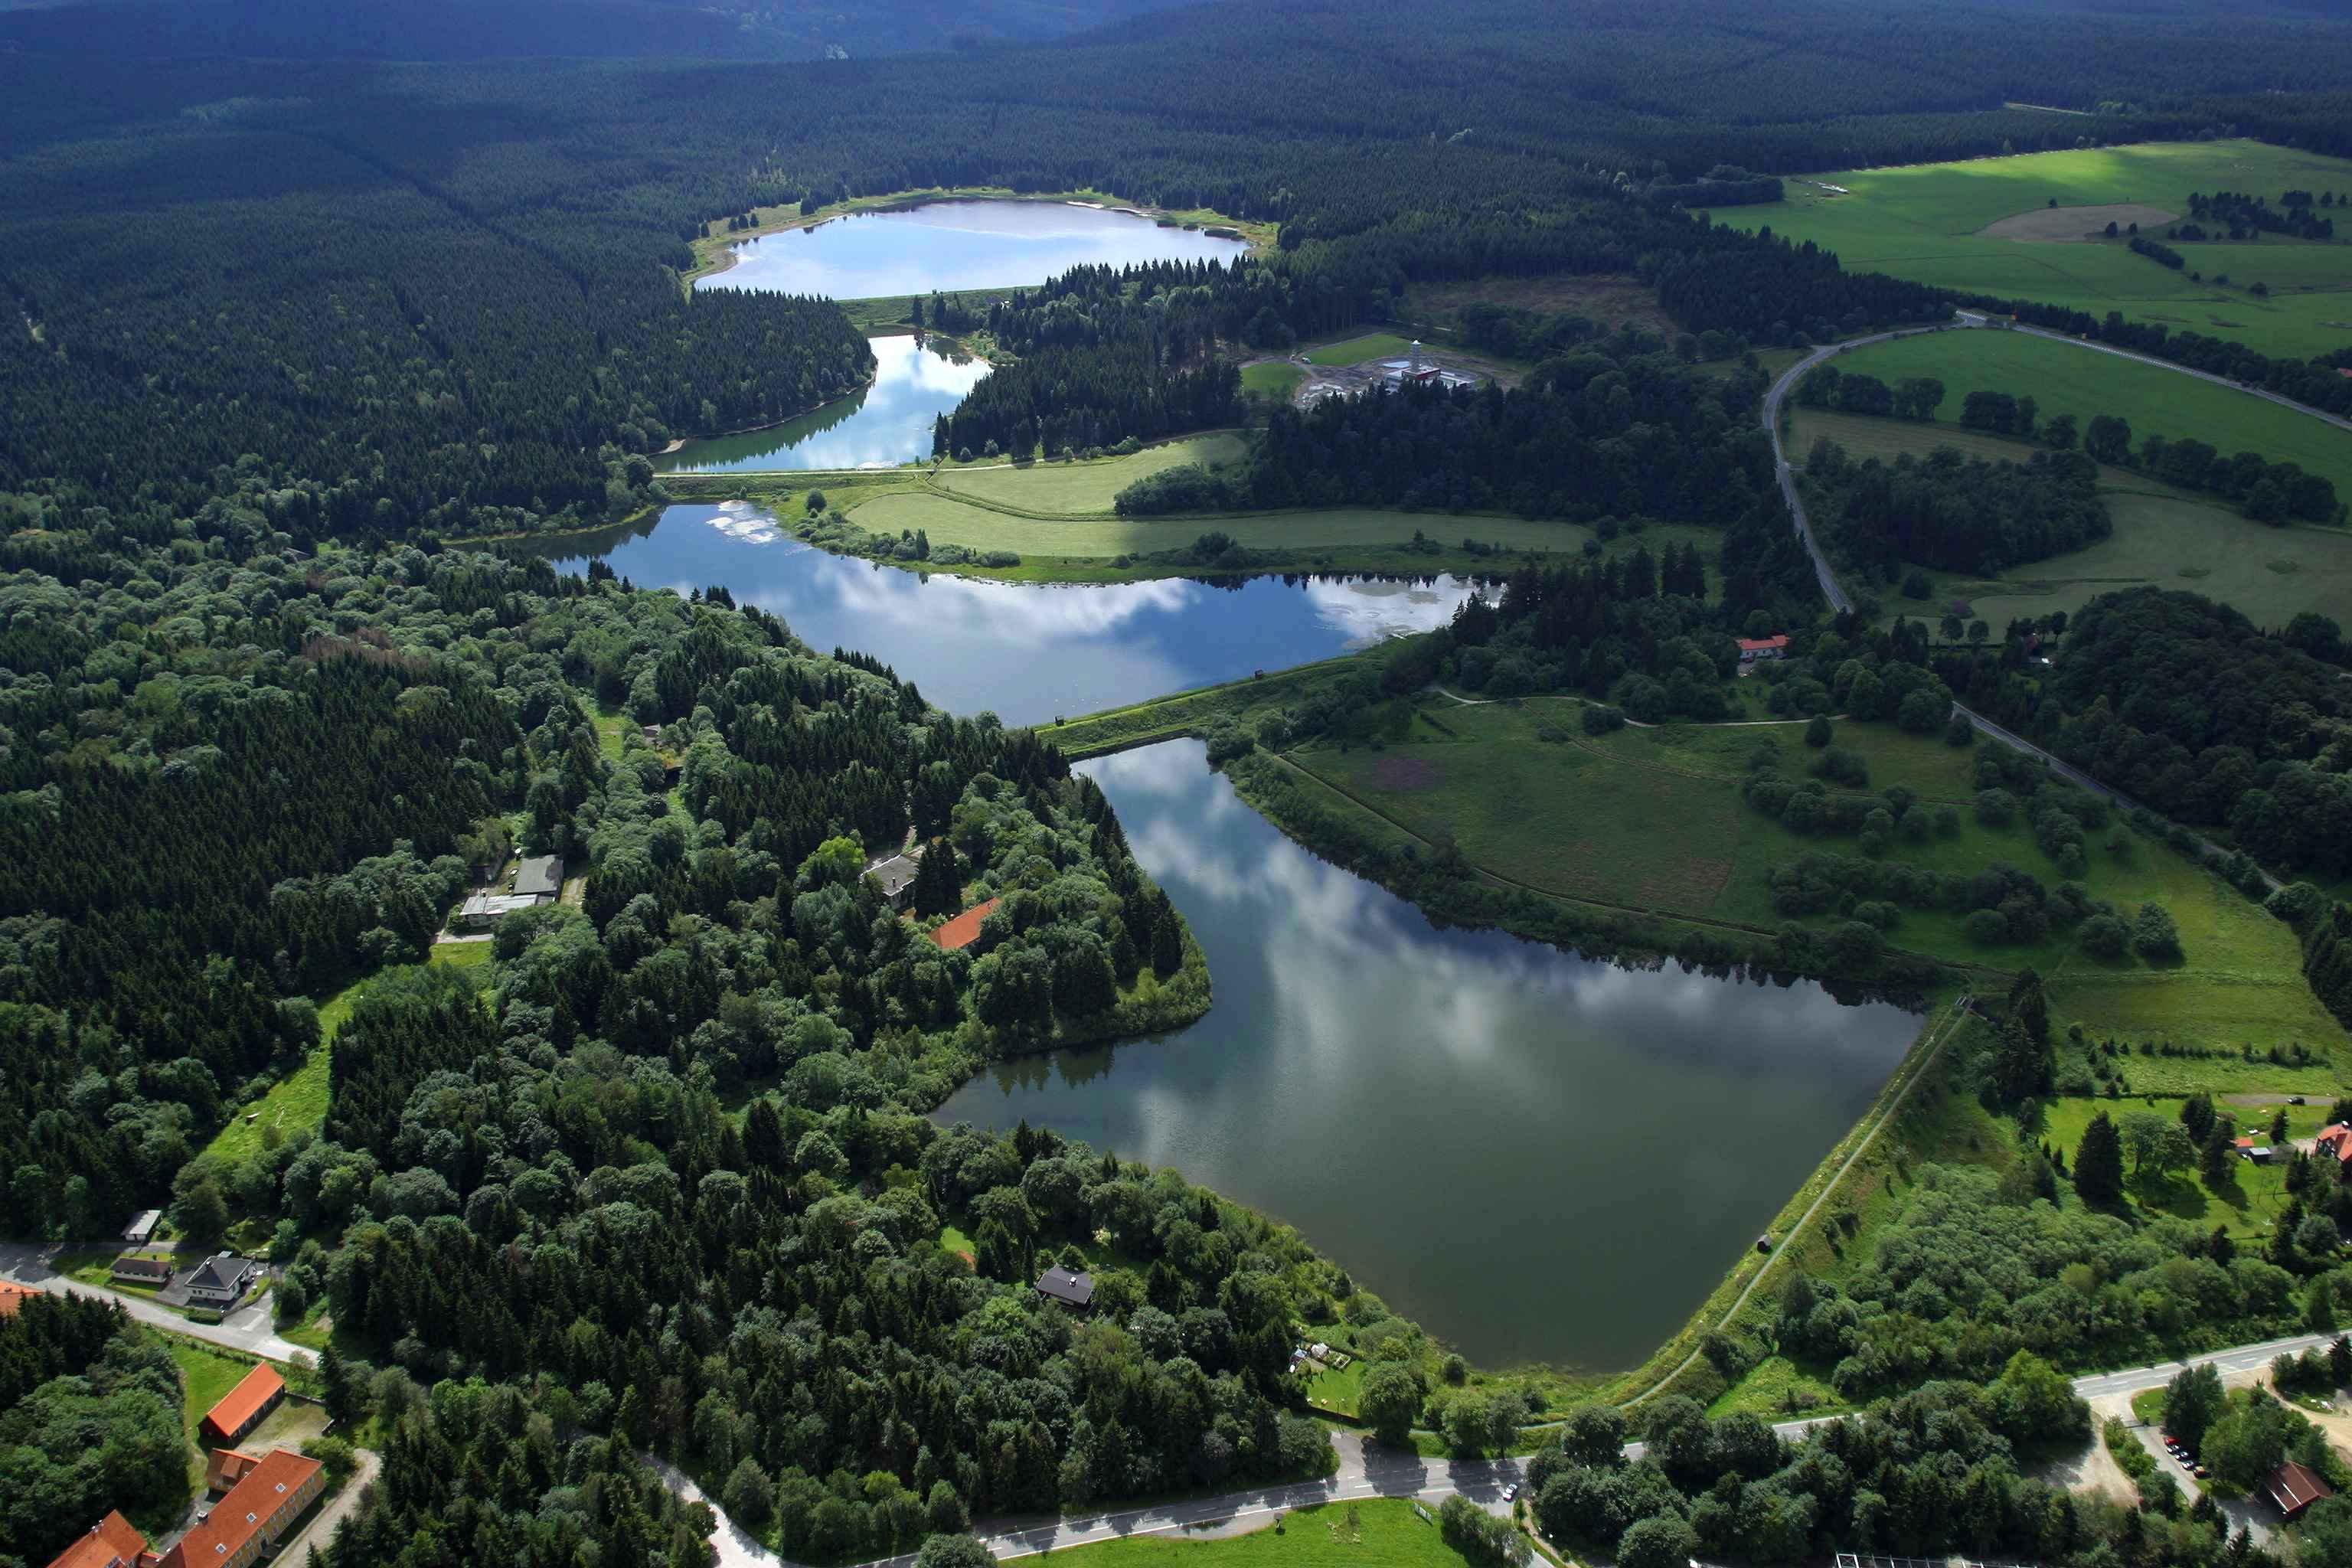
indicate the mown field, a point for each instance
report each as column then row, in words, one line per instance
column 2065, row 379
column 1272, row 380
column 1356, row 351
column 1652, row 818
column 1384, row 1531
column 1081, row 490
column 2164, row 538
column 1924, row 222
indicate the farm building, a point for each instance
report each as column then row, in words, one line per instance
column 219, row 1281
column 257, row 1511
column 1072, row 1289
column 2258, row 1150
column 112, row 1542
column 153, row 1271
column 964, row 930
column 242, row 1408
column 540, row 876
column 2294, row 1488
column 141, row 1228
column 1414, row 371
column 1753, row 648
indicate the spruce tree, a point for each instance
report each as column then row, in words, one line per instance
column 2099, row 1163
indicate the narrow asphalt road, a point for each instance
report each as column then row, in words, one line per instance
column 1371, row 1473
column 247, row 1329
column 1777, row 394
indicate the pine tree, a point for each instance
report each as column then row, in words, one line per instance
column 763, row 1136
column 2030, row 1008
column 2099, row 1163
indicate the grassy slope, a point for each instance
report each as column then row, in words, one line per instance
column 2068, row 380
column 1920, row 222
column 1080, row 490
column 206, row 1374
column 1383, row 1530
column 1356, row 351
column 1272, row 380
column 2163, row 538
column 1653, row 817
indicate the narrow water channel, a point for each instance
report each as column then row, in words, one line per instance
column 1540, row 1157
column 890, row 423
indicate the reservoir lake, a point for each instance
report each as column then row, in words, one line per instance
column 946, row 247
column 1541, row 1157
column 890, row 423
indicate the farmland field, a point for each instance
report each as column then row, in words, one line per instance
column 2066, row 380
column 1079, row 490
column 1272, row 379
column 1356, row 351
column 1926, row 221
column 2164, row 538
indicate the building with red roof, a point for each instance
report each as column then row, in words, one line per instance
column 112, row 1542
column 964, row 930
column 257, row 1510
column 226, row 1467
column 242, row 1408
column 2335, row 1142
column 13, row 1296
column 2294, row 1488
column 1753, row 648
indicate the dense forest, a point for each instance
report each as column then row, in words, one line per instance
column 1952, row 513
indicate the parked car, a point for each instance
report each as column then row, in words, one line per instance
column 1511, row 1492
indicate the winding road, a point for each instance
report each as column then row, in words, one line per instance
column 249, row 1328
column 1777, row 394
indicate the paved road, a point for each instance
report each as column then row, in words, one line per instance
column 1836, row 595
column 247, row 1330
column 341, row 1507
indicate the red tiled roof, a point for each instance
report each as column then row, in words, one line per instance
column 241, row 1404
column 964, row 930
column 1751, row 645
column 13, row 1296
column 113, row 1540
column 2337, row 1138
column 226, row 1468
column 2294, row 1488
column 251, row 1506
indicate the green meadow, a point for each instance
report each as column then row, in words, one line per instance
column 1356, row 351
column 1925, row 222
column 1080, row 490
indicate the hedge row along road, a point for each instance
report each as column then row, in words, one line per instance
column 1839, row 601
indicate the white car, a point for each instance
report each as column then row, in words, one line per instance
column 1511, row 1492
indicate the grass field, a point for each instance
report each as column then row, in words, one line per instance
column 206, row 1374
column 1356, row 351
column 1382, row 1531
column 2163, row 538
column 2247, row 1205
column 1924, row 221
column 1272, row 380
column 1583, row 819
column 2062, row 379
column 1083, row 490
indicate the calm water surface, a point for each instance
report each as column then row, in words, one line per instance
column 1026, row 652
column 887, row 423
column 949, row 246
column 1540, row 1158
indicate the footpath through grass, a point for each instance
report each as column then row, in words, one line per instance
column 1925, row 222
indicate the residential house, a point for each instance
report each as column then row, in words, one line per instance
column 242, row 1408
column 151, row 1273
column 964, row 930
column 2335, row 1142
column 540, row 876
column 257, row 1510
column 112, row 1542
column 897, row 876
column 2294, row 1488
column 141, row 1228
column 1753, row 648
column 1074, row 1291
column 220, row 1281
column 487, row 909
column 13, row 1296
column 2258, row 1150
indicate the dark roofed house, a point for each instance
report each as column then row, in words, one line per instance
column 1071, row 1290
column 2294, row 1488
column 219, row 1281
column 540, row 876
column 896, row 876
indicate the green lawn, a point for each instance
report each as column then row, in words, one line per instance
column 2249, row 1204
column 1272, row 380
column 1583, row 819
column 1339, row 1390
column 2065, row 379
column 206, row 1374
column 1382, row 1531
column 1356, row 351
column 1083, row 490
column 1923, row 222
column 2164, row 538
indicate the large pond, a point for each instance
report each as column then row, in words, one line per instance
column 1026, row 653
column 1542, row 1158
column 890, row 423
column 948, row 245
